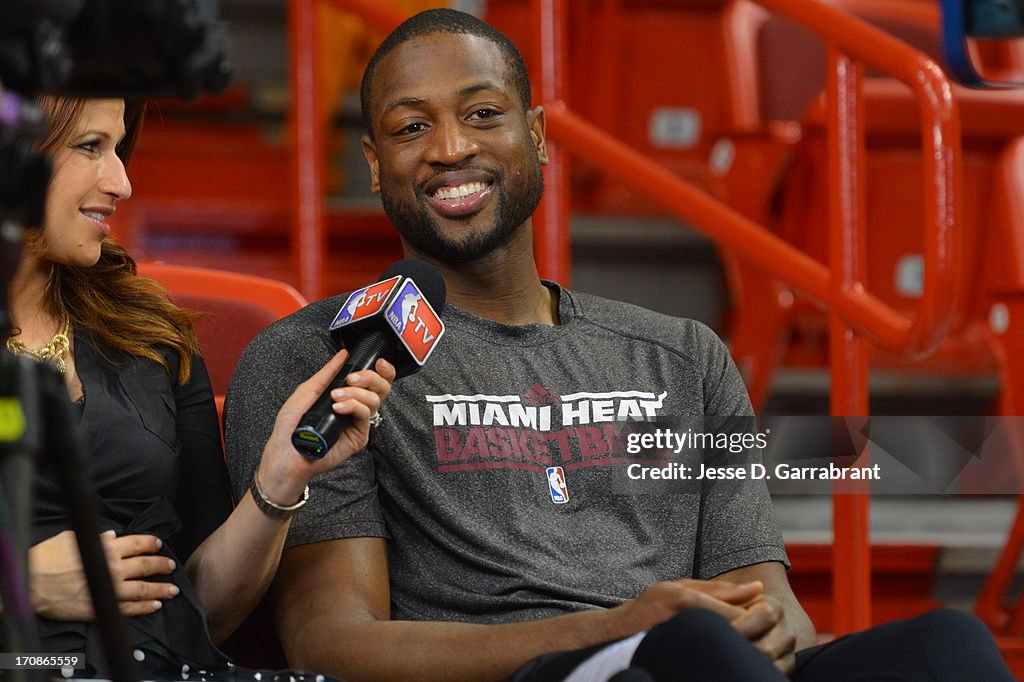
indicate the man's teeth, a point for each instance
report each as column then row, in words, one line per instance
column 460, row 191
column 95, row 215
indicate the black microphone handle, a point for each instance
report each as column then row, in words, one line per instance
column 320, row 426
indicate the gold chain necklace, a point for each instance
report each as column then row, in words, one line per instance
column 55, row 352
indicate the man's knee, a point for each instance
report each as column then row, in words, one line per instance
column 948, row 644
column 939, row 645
column 952, row 620
column 700, row 629
column 945, row 627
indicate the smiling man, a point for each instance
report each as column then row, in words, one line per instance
column 477, row 537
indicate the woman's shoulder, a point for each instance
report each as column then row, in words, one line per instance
column 125, row 364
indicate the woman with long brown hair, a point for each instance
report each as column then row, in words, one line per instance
column 187, row 568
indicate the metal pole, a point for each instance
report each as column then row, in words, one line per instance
column 851, row 550
column 308, row 237
column 551, row 220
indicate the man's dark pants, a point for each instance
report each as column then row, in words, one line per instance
column 700, row 646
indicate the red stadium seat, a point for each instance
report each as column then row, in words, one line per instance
column 236, row 307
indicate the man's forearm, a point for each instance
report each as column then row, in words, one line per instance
column 355, row 644
column 442, row 652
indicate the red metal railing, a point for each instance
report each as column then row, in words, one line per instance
column 854, row 311
column 851, row 550
column 309, row 240
column 551, row 220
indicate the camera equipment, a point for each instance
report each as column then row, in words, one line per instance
column 113, row 48
column 24, row 174
column 84, row 48
column 989, row 20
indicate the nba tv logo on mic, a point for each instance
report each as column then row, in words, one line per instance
column 365, row 302
column 417, row 325
column 405, row 310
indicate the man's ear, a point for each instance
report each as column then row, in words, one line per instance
column 538, row 132
column 370, row 152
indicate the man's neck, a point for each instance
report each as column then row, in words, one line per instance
column 501, row 295
column 503, row 286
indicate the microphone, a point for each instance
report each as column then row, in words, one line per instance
column 398, row 319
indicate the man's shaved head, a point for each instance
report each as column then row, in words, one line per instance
column 444, row 21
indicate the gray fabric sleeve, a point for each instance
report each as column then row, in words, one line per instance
column 343, row 502
column 737, row 525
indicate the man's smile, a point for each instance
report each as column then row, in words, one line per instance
column 459, row 194
column 460, row 191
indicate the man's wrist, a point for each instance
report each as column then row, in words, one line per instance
column 595, row 626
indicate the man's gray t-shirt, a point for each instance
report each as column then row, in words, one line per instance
column 492, row 472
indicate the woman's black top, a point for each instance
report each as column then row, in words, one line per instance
column 155, row 456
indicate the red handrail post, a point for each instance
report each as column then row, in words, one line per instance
column 551, row 220
column 307, row 150
column 851, row 556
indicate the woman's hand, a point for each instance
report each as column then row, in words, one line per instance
column 58, row 586
column 283, row 472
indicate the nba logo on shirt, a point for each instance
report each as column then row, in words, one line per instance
column 556, row 485
column 415, row 322
column 365, row 302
